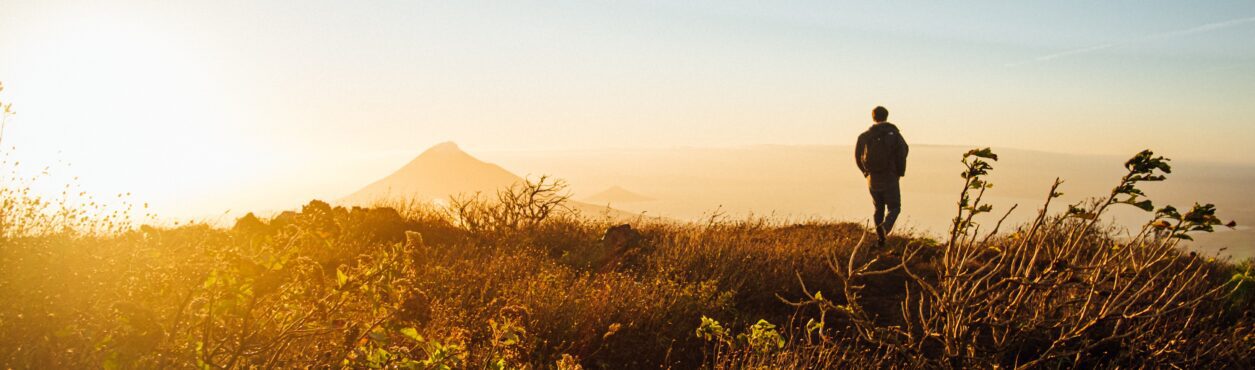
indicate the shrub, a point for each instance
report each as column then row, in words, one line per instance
column 529, row 285
column 1061, row 291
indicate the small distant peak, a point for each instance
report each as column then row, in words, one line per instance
column 446, row 153
column 447, row 146
column 443, row 150
column 617, row 194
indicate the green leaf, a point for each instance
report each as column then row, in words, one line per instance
column 211, row 280
column 982, row 153
column 411, row 333
column 812, row 326
column 341, row 278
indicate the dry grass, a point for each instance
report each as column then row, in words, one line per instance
column 528, row 284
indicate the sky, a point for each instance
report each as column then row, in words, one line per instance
column 219, row 104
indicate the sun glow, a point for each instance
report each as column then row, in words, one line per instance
column 207, row 106
column 129, row 104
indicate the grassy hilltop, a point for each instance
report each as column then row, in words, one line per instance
column 517, row 281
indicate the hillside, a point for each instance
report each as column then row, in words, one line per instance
column 330, row 287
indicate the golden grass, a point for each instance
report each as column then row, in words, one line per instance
column 472, row 287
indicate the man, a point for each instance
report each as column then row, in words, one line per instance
column 881, row 154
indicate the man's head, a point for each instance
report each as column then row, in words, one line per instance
column 880, row 114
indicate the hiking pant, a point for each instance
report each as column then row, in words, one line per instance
column 886, row 197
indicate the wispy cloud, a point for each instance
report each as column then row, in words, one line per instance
column 1205, row 28
column 1176, row 33
column 1068, row 53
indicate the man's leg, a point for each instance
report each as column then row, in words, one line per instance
column 892, row 199
column 878, row 218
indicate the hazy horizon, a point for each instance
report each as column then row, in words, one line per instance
column 227, row 90
column 201, row 107
column 342, row 176
column 785, row 183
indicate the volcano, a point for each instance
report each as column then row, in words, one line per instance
column 439, row 172
column 445, row 170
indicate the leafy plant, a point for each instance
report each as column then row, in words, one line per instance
column 976, row 166
column 762, row 337
column 1056, row 292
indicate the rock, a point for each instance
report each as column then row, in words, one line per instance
column 621, row 237
column 621, row 244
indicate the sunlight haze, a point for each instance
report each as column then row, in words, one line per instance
column 240, row 104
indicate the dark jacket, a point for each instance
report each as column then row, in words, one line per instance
column 897, row 147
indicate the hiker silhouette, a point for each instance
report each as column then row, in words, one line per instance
column 881, row 155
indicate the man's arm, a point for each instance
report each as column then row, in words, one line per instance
column 903, row 149
column 858, row 159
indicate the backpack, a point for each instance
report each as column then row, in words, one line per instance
column 880, row 152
